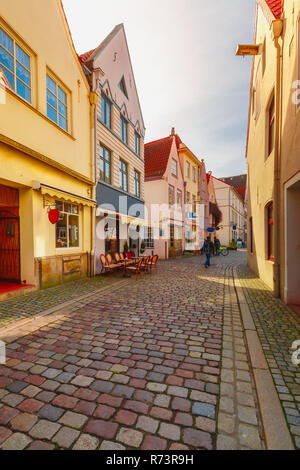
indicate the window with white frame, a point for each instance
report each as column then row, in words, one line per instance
column 123, row 129
column 123, row 175
column 174, row 167
column 56, row 103
column 187, row 169
column 15, row 64
column 105, row 164
column 149, row 237
column 67, row 227
column 137, row 143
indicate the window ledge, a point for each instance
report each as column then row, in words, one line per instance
column 30, row 106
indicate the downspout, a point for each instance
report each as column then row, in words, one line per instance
column 93, row 102
column 277, row 28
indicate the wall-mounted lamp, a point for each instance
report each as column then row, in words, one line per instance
column 247, row 49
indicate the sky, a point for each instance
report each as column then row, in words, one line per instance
column 186, row 71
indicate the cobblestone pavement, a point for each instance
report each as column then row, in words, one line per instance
column 18, row 308
column 278, row 327
column 160, row 363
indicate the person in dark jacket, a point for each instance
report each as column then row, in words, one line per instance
column 208, row 249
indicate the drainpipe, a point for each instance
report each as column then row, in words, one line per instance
column 277, row 28
column 93, row 103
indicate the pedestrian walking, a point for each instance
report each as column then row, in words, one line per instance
column 208, row 249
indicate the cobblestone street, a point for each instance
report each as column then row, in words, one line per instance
column 159, row 363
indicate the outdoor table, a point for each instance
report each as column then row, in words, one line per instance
column 126, row 275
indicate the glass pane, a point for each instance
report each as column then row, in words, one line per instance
column 107, row 155
column 62, row 122
column 62, row 96
column 102, row 109
column 107, row 172
column 22, row 57
column 51, row 99
column 61, row 232
column 62, row 109
column 6, row 41
column 23, row 74
column 6, row 59
column 23, row 91
column 102, row 170
column 10, row 78
column 51, row 85
column 51, row 113
column 67, row 207
column 59, row 206
column 75, row 209
column 121, row 180
column 107, row 121
column 73, row 231
column 101, row 151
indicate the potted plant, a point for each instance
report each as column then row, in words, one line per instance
column 125, row 248
column 142, row 247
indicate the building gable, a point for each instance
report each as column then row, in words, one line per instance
column 113, row 57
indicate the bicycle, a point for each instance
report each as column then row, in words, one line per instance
column 222, row 251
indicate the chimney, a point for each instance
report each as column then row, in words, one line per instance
column 173, row 132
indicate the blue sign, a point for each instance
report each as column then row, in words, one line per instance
column 234, row 227
column 210, row 229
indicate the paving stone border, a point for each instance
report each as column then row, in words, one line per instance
column 277, row 327
column 239, row 421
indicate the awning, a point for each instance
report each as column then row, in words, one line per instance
column 66, row 196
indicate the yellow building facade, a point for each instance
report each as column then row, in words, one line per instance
column 46, row 148
column 273, row 149
column 193, row 176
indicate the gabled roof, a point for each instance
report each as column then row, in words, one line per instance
column 156, row 157
column 87, row 56
column 276, row 7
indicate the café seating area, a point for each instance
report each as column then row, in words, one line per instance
column 128, row 263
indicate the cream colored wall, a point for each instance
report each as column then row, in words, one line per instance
column 260, row 168
column 49, row 47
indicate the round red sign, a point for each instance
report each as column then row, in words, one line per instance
column 53, row 216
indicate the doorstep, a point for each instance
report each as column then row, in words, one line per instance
column 9, row 290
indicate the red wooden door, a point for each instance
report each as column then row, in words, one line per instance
column 9, row 234
column 9, row 249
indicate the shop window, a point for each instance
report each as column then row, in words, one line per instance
column 67, row 227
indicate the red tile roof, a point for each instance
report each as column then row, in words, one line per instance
column 208, row 175
column 276, row 7
column 84, row 57
column 157, row 155
column 242, row 192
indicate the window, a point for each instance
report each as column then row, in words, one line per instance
column 105, row 110
column 137, row 143
column 188, row 197
column 122, row 86
column 149, row 240
column 56, row 104
column 123, row 175
column 270, row 231
column 123, row 129
column 194, row 174
column 172, row 236
column 179, row 197
column 137, row 183
column 105, row 164
column 251, row 234
column 171, row 195
column 187, row 169
column 15, row 64
column 174, row 167
column 67, row 227
column 271, row 126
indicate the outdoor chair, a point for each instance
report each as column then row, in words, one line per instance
column 128, row 261
column 111, row 263
column 153, row 262
column 106, row 266
column 118, row 259
column 136, row 269
column 146, row 263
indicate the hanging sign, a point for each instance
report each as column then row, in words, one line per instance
column 53, row 216
column 210, row 229
column 234, row 227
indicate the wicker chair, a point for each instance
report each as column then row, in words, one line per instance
column 136, row 269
